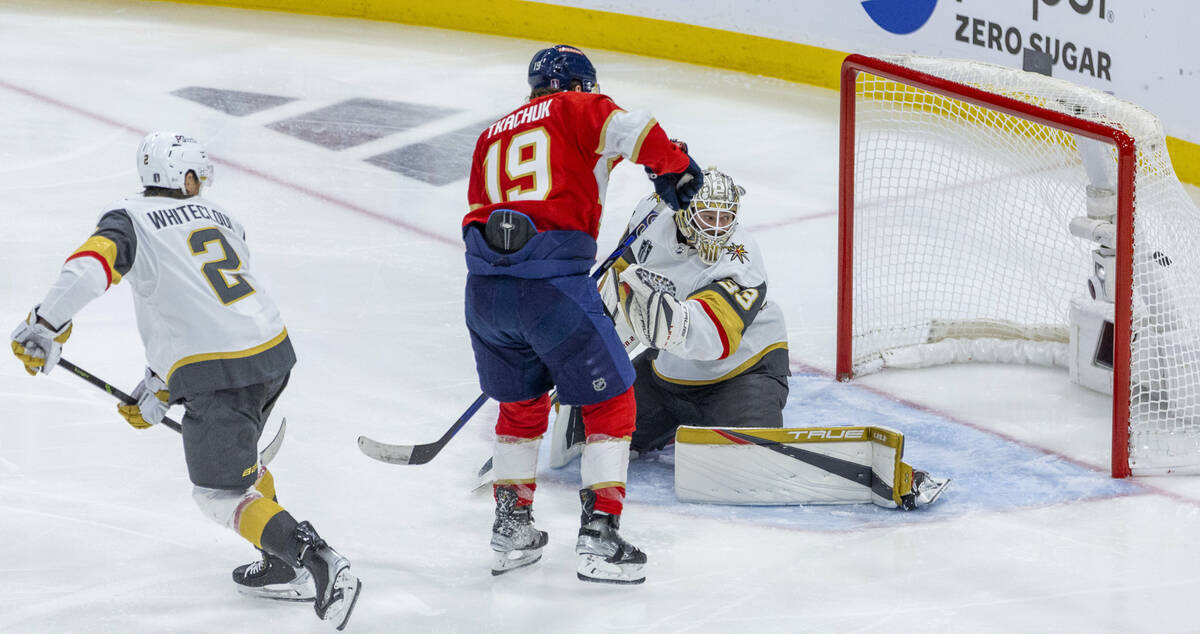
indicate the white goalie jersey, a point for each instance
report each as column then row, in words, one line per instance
column 203, row 317
column 732, row 322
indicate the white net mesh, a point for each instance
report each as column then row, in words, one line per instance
column 961, row 218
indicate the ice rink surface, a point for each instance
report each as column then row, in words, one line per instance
column 339, row 146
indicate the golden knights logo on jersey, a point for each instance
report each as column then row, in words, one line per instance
column 737, row 252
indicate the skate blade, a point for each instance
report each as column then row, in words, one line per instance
column 349, row 587
column 940, row 485
column 594, row 568
column 281, row 592
column 513, row 559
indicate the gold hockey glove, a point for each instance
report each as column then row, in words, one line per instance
column 37, row 344
column 153, row 401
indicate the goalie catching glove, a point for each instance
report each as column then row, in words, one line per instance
column 37, row 344
column 152, row 402
column 646, row 301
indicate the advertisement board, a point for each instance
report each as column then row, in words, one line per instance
column 1146, row 52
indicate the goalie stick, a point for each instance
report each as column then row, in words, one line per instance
column 265, row 457
column 421, row 454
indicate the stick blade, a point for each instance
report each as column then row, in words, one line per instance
column 383, row 452
column 272, row 448
column 484, row 477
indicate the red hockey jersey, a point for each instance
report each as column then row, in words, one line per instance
column 550, row 159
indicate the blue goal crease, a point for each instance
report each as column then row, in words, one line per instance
column 989, row 472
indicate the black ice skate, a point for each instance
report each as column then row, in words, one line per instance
column 272, row 578
column 603, row 556
column 925, row 490
column 515, row 541
column 336, row 588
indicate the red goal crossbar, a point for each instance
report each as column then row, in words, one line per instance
column 1126, row 165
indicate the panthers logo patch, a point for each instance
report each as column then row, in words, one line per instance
column 737, row 252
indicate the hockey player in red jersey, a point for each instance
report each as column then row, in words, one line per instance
column 215, row 343
column 538, row 179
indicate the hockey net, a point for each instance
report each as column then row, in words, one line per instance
column 959, row 181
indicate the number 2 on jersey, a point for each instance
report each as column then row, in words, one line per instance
column 214, row 270
column 528, row 155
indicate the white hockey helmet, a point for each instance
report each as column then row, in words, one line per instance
column 708, row 222
column 165, row 158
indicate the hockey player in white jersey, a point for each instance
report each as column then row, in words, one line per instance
column 215, row 343
column 693, row 290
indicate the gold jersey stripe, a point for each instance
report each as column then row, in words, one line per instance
column 604, row 132
column 727, row 317
column 637, row 147
column 104, row 250
column 237, row 354
column 605, row 485
column 745, row 365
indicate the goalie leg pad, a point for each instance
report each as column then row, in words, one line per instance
column 822, row 465
column 567, row 435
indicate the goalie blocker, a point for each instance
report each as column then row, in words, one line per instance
column 812, row 465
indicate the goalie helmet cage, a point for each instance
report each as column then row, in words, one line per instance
column 958, row 182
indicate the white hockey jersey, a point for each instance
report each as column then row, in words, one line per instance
column 203, row 316
column 732, row 324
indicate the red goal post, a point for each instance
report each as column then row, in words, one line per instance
column 931, row 96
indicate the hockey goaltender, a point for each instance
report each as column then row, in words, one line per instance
column 691, row 294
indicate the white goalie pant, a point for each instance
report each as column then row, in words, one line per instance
column 825, row 465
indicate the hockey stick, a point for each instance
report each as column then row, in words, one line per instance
column 265, row 457
column 107, row 387
column 421, row 454
column 484, row 476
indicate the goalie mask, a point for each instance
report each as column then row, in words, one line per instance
column 708, row 222
column 165, row 158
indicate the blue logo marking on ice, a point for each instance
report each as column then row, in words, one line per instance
column 989, row 472
column 900, row 16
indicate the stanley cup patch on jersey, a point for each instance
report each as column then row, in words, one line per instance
column 644, row 250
